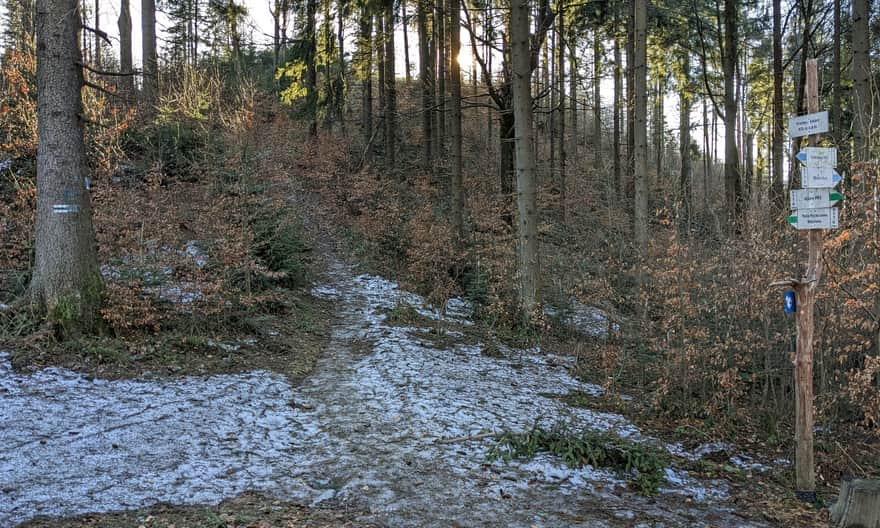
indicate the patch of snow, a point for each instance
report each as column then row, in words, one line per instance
column 384, row 432
column 184, row 292
column 683, row 484
column 747, row 463
column 71, row 444
column 5, row 307
column 198, row 255
column 586, row 320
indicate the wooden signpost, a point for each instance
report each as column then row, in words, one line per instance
column 812, row 211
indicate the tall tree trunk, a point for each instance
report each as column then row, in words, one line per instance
column 405, row 22
column 194, row 56
column 150, row 58
column 276, row 33
column 426, row 78
column 707, row 158
column 97, row 58
column 550, row 85
column 440, row 28
column 311, row 52
column 861, row 75
column 776, row 193
column 506, row 135
column 382, row 68
column 573, row 79
column 618, row 96
column 640, row 124
column 455, row 121
column 659, row 127
column 340, row 56
column 390, row 90
column 684, row 140
column 528, row 255
column 365, row 52
column 630, row 100
column 836, row 89
column 597, row 115
column 66, row 282
column 126, row 65
column 560, row 125
column 732, row 184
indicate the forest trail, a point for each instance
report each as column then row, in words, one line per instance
column 364, row 432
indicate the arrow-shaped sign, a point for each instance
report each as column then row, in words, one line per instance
column 820, row 177
column 826, row 218
column 818, row 156
column 814, row 198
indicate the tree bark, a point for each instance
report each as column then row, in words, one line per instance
column 861, row 75
column 66, row 282
column 365, row 52
column 618, row 96
column 126, row 64
column 426, row 78
column 640, row 125
column 150, row 58
column 857, row 505
column 777, row 198
column 390, row 90
column 455, row 121
column 732, row 184
column 837, row 90
column 560, row 125
column 684, row 141
column 405, row 22
column 528, row 256
column 440, row 29
column 311, row 51
column 597, row 104
column 97, row 58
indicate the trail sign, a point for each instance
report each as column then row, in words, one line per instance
column 814, row 198
column 807, row 125
column 825, row 218
column 819, row 177
column 818, row 156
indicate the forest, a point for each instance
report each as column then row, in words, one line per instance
column 432, row 263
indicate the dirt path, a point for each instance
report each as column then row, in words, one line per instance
column 362, row 431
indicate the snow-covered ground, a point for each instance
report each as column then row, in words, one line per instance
column 366, row 430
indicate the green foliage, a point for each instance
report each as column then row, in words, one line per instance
column 176, row 146
column 403, row 314
column 101, row 350
column 280, row 245
column 642, row 464
column 15, row 323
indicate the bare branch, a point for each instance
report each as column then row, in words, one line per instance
column 107, row 73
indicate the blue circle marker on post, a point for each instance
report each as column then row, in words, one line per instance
column 790, row 302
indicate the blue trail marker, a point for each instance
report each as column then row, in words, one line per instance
column 790, row 303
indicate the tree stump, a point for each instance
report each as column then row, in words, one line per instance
column 858, row 505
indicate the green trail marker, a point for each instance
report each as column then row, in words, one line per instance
column 814, row 198
column 824, row 218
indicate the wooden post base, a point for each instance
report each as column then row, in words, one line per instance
column 858, row 504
